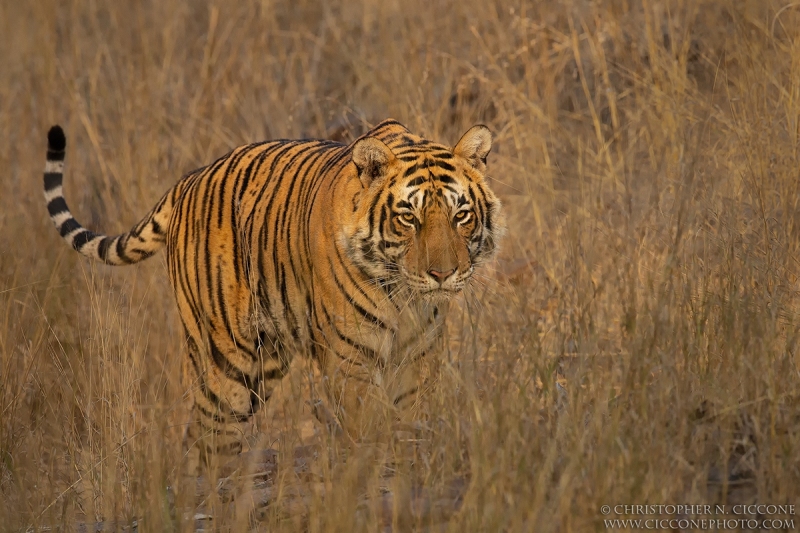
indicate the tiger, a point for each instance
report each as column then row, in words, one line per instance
column 349, row 254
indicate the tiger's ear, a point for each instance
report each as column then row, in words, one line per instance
column 371, row 157
column 475, row 145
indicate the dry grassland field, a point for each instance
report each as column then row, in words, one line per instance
column 635, row 342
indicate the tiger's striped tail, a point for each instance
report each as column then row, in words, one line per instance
column 142, row 241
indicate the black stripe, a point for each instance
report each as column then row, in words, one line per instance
column 274, row 374
column 289, row 317
column 405, row 395
column 411, row 170
column 309, row 311
column 343, row 265
column 369, row 352
column 371, row 214
column 444, row 178
column 366, row 315
column 444, row 165
column 56, row 206
column 220, row 197
column 216, row 282
column 143, row 254
column 252, row 386
column 121, row 251
column 422, row 201
column 102, row 248
column 486, row 214
column 224, row 364
column 180, row 247
column 68, row 227
column 420, row 149
column 390, row 244
column 235, row 198
column 243, row 348
column 382, row 223
column 244, row 180
column 82, row 238
column 52, row 180
column 409, row 154
column 223, row 309
column 208, row 414
column 202, row 217
column 386, row 124
column 216, row 401
column 56, row 140
column 472, row 196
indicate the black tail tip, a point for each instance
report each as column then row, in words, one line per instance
column 56, row 140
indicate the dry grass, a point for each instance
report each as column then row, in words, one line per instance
column 647, row 154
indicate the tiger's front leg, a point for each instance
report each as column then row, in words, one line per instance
column 375, row 376
column 366, row 396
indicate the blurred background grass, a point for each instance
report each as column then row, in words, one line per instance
column 647, row 156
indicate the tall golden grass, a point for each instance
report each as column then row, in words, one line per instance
column 635, row 342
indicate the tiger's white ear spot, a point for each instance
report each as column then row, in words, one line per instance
column 475, row 145
column 371, row 157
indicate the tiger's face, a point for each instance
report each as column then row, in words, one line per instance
column 424, row 217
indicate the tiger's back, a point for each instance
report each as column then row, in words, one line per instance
column 345, row 253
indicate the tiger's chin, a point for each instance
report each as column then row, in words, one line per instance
column 437, row 296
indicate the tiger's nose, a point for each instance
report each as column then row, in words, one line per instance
column 441, row 276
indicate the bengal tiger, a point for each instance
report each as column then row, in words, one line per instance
column 346, row 253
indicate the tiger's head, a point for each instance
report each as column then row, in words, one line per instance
column 423, row 216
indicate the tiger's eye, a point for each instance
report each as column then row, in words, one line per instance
column 462, row 215
column 408, row 217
